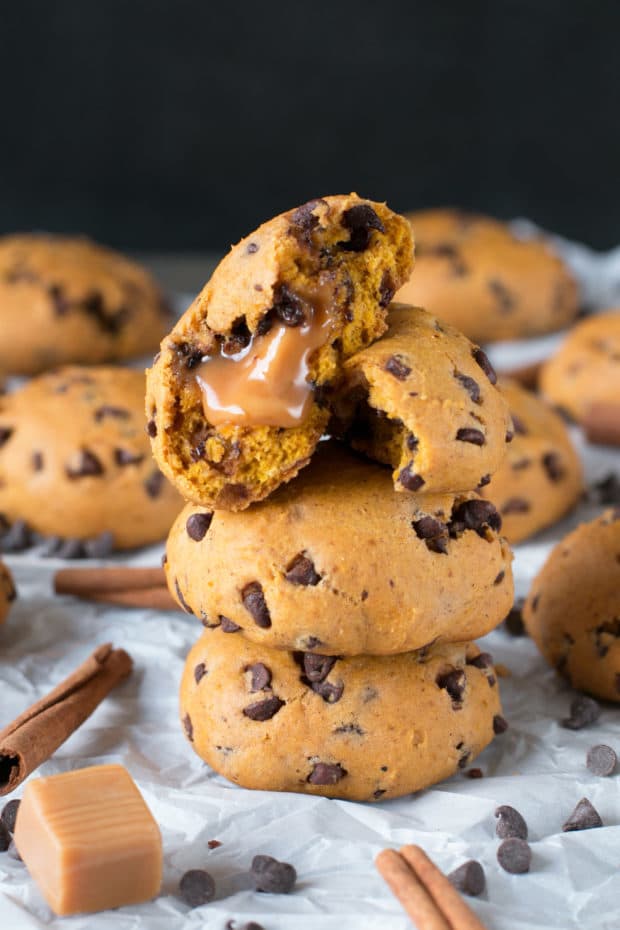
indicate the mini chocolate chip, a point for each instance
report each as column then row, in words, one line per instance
column 331, row 693
column 200, row 671
column 509, row 435
column 251, row 925
column 271, row 876
column 468, row 434
column 37, row 461
column 356, row 729
column 433, row 532
column 468, row 878
column 397, row 367
column 311, row 642
column 510, row 823
column 17, row 538
column 474, row 773
column 601, row 760
column 471, row 386
column 584, row 711
column 302, row 571
column 5, row 434
column 584, row 817
column 151, row 428
column 514, row 855
column 197, row 887
column 188, row 727
column 513, row 624
column 261, row 676
column 154, row 484
column 454, row 683
column 500, row 724
column 263, row 710
column 126, row 457
column 85, row 466
column 552, row 463
column 253, row 599
column 9, row 814
column 197, row 525
column 5, row 838
column 360, row 219
column 108, row 410
column 99, row 546
column 409, row 480
column 503, row 296
column 475, row 515
column 326, row 773
column 499, row 577
column 519, row 425
column 486, row 479
column 214, row 844
column 252, row 248
column 482, row 359
column 316, row 666
column 386, row 290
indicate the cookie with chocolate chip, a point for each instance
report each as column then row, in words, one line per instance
column 423, row 400
column 362, row 728
column 573, row 609
column 473, row 272
column 75, row 461
column 238, row 397
column 68, row 300
column 540, row 479
column 7, row 591
column 337, row 563
column 585, row 371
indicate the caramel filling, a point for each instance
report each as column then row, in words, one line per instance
column 266, row 383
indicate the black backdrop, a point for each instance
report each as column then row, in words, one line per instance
column 181, row 125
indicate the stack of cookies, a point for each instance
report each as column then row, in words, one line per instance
column 340, row 608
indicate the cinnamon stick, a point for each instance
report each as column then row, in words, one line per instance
column 83, row 582
column 149, row 598
column 459, row 915
column 415, row 899
column 38, row 732
column 601, row 424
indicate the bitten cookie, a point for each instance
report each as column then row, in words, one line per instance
column 586, row 370
column 573, row 609
column 7, row 591
column 541, row 477
column 363, row 728
column 65, row 300
column 337, row 563
column 75, row 460
column 237, row 397
column 474, row 273
column 422, row 399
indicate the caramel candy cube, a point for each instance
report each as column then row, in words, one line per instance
column 89, row 840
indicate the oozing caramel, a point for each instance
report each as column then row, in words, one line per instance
column 266, row 383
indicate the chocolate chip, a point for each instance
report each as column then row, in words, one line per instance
column 482, row 660
column 397, row 367
column 71, row 548
column 510, row 823
column 467, row 434
column 386, row 290
column 51, row 546
column 197, row 887
column 584, row 817
column 9, row 814
column 197, row 525
column 360, row 219
column 99, row 546
column 252, row 248
column 317, row 667
column 481, row 358
column 154, row 484
column 304, row 222
column 519, row 425
column 474, row 773
column 475, row 515
column 251, row 925
column 514, row 856
column 86, row 465
column 188, row 727
column 607, row 490
column 552, row 463
column 5, row 434
column 200, row 671
column 601, row 760
column 17, row 538
column 191, row 356
column 271, row 876
column 126, row 457
column 5, row 838
column 409, row 480
column 509, row 435
column 37, row 461
column 513, row 624
column 486, row 479
column 502, row 295
column 302, row 571
column 516, row 505
column 454, row 683
column 472, row 387
column 433, row 532
column 468, row 878
column 289, row 308
column 584, row 711
column 151, row 428
column 214, row 844
column 465, row 753
column 261, row 676
column 500, row 724
column 227, row 626
column 181, row 599
column 412, row 442
column 108, row 410
column 331, row 693
column 499, row 577
column 263, row 710
column 326, row 773
column 60, row 302
column 253, row 600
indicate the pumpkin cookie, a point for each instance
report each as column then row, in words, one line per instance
column 336, row 563
column 541, row 477
column 473, row 272
column 422, row 399
column 573, row 609
column 75, row 461
column 236, row 399
column 65, row 300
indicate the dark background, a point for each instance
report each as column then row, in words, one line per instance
column 182, row 125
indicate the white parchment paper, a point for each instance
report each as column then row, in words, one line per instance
column 537, row 767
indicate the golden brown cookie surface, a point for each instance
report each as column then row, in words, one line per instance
column 236, row 399
column 75, row 460
column 337, row 562
column 586, row 369
column 474, row 273
column 68, row 300
column 362, row 728
column 541, row 477
column 422, row 399
column 573, row 609
column 7, row 591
